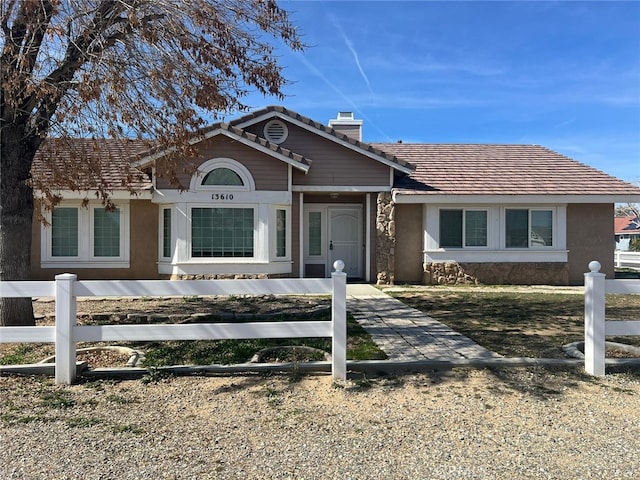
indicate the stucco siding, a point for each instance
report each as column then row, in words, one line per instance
column 268, row 173
column 590, row 236
column 408, row 255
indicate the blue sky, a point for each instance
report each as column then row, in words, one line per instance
column 564, row 74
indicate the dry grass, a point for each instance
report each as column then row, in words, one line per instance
column 517, row 322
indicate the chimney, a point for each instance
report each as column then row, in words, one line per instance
column 346, row 124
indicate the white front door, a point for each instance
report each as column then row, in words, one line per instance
column 345, row 239
column 333, row 233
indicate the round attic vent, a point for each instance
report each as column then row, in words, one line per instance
column 276, row 131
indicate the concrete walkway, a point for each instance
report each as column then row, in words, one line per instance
column 405, row 333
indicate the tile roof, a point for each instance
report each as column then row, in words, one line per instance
column 457, row 169
column 630, row 224
column 78, row 162
column 284, row 112
column 436, row 169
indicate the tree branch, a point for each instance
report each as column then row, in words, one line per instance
column 4, row 22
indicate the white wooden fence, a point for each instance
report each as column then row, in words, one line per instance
column 66, row 333
column 596, row 326
column 627, row 259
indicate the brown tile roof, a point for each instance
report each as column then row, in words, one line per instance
column 368, row 147
column 446, row 169
column 82, row 164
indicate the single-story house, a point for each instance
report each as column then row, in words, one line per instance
column 277, row 194
column 627, row 228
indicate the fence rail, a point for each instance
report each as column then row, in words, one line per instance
column 627, row 259
column 596, row 326
column 66, row 333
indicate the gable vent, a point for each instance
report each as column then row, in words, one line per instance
column 276, row 131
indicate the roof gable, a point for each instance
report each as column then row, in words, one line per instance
column 240, row 135
column 324, row 131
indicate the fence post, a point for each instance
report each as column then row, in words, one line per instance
column 339, row 322
column 594, row 318
column 65, row 321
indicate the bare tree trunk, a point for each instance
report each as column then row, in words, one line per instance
column 16, row 213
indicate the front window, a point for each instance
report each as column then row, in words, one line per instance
column 222, row 232
column 106, row 233
column 526, row 228
column 64, row 232
column 86, row 237
column 224, row 223
column 463, row 228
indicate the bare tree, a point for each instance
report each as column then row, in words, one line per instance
column 144, row 69
column 628, row 210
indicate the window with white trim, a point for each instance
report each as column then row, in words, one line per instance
column 166, row 233
column 92, row 235
column 222, row 232
column 528, row 228
column 463, row 228
column 314, row 237
column 223, row 225
column 222, row 174
column 281, row 232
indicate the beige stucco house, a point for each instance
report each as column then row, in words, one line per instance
column 277, row 194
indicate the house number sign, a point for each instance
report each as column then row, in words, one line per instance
column 222, row 196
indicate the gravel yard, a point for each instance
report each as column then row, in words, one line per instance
column 506, row 424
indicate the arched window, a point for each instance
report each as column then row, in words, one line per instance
column 222, row 173
column 222, row 176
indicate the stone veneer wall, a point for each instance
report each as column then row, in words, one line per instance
column 451, row 273
column 385, row 239
column 221, row 276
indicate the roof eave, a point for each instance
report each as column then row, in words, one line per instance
column 119, row 194
column 304, row 167
column 416, row 196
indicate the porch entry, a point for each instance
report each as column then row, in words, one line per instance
column 333, row 233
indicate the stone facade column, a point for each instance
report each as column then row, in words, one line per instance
column 385, row 239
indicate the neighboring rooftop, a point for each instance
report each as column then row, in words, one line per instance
column 628, row 224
